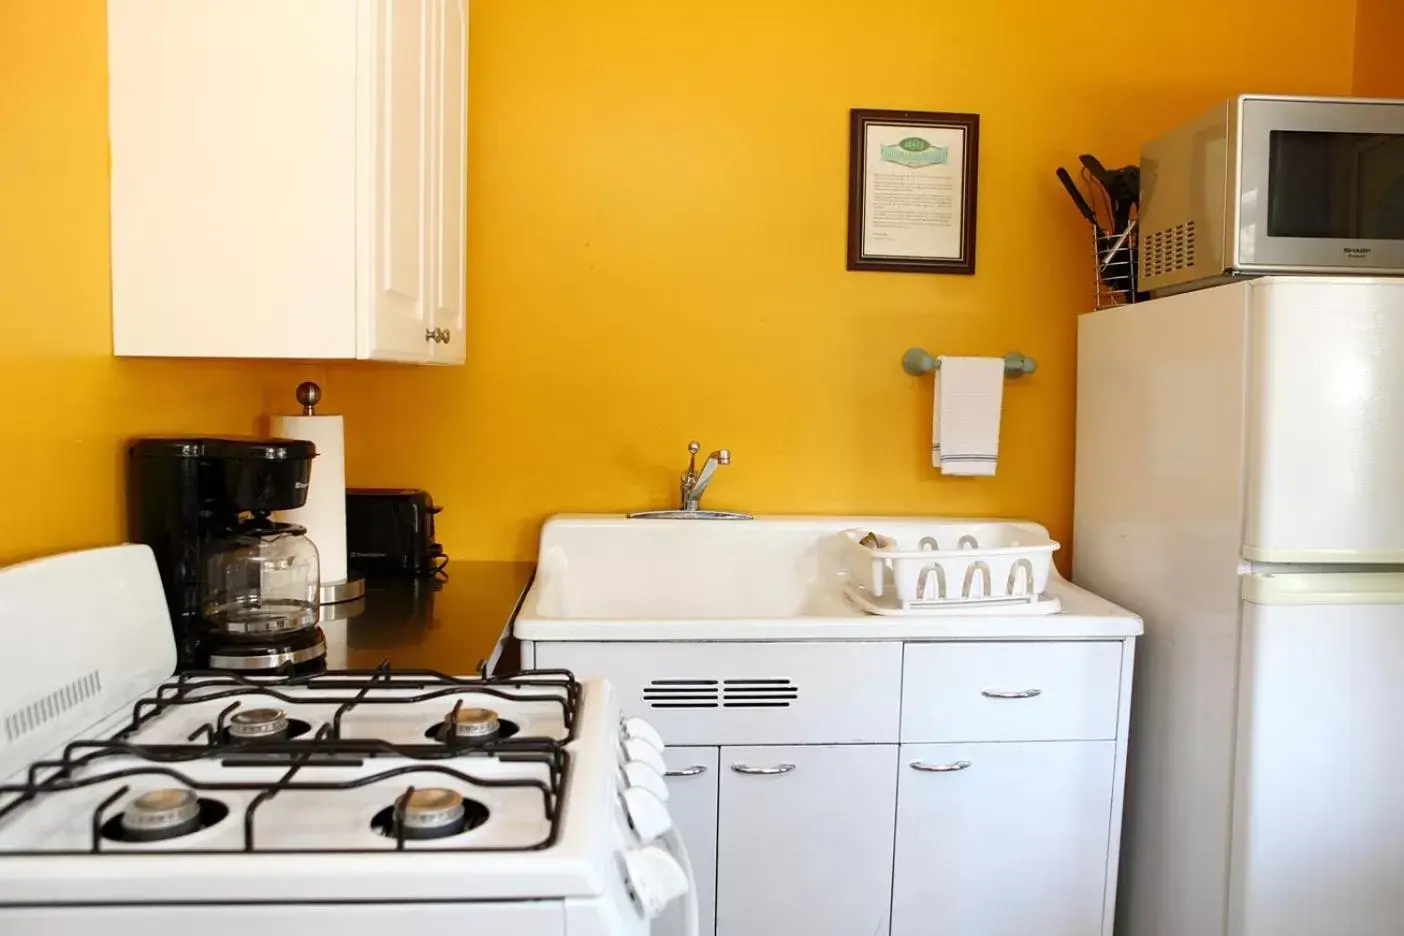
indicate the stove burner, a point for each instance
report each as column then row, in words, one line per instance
column 258, row 723
column 430, row 814
column 475, row 723
column 163, row 814
column 471, row 726
column 263, row 724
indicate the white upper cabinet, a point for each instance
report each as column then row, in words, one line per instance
column 450, row 181
column 289, row 179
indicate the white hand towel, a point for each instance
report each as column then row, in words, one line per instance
column 965, row 415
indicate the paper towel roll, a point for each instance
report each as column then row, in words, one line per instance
column 324, row 514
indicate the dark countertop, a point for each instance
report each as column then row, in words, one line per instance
column 450, row 626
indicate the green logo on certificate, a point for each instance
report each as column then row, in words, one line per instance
column 915, row 153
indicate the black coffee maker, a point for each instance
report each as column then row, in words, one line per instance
column 243, row 589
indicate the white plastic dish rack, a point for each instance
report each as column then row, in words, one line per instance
column 955, row 568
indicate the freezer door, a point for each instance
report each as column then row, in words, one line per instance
column 1325, row 429
column 1318, row 816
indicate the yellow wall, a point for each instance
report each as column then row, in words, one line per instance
column 68, row 405
column 657, row 225
column 1379, row 42
column 657, row 221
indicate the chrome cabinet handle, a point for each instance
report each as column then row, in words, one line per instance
column 692, row 771
column 940, row 768
column 430, row 335
column 763, row 771
column 1015, row 694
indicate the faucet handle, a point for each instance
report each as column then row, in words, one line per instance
column 693, row 448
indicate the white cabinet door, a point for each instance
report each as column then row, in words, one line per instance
column 1002, row 839
column 448, row 201
column 401, row 225
column 692, row 802
column 805, row 840
column 331, row 148
column 234, row 169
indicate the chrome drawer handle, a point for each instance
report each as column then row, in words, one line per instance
column 692, row 771
column 940, row 768
column 763, row 771
column 1018, row 694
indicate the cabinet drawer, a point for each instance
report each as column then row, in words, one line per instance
column 1011, row 691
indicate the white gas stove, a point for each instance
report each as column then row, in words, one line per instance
column 354, row 799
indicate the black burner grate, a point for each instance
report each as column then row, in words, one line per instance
column 301, row 756
column 345, row 689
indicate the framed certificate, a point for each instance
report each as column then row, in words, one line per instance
column 911, row 192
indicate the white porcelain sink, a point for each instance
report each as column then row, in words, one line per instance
column 611, row 578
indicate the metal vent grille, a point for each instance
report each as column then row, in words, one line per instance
column 720, row 693
column 1168, row 250
column 22, row 721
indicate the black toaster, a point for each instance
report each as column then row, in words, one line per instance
column 390, row 532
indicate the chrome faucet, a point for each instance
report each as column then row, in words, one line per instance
column 692, row 486
column 694, row 482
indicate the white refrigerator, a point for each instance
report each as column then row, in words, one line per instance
column 1240, row 485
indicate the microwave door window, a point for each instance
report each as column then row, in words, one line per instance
column 1380, row 193
column 1346, row 186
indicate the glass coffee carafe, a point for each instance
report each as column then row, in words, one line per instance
column 261, row 579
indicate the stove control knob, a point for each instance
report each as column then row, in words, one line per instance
column 639, row 774
column 655, row 877
column 637, row 749
column 638, row 728
column 647, row 815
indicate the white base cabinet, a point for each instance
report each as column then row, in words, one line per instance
column 979, row 794
column 1003, row 839
column 692, row 801
column 805, row 841
column 289, row 178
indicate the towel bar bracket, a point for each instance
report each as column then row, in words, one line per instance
column 917, row 362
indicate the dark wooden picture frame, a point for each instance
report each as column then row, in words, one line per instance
column 859, row 121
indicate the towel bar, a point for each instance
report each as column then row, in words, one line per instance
column 917, row 362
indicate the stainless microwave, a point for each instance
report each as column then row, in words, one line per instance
column 1265, row 184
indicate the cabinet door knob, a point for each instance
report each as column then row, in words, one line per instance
column 446, row 335
column 1011, row 694
column 429, row 335
column 763, row 771
column 692, row 771
column 940, row 768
